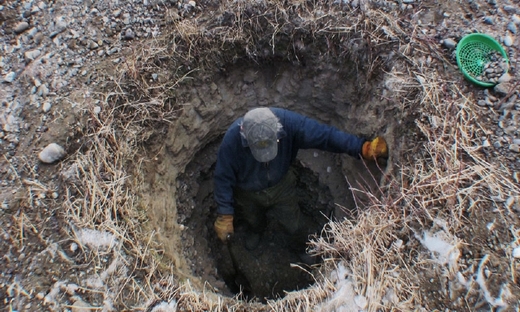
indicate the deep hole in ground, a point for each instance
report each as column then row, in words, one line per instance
column 179, row 189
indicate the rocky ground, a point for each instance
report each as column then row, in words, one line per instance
column 52, row 61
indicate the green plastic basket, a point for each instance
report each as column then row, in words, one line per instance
column 473, row 53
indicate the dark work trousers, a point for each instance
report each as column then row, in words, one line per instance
column 279, row 201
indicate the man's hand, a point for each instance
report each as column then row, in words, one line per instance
column 377, row 148
column 224, row 226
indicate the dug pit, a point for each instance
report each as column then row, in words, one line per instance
column 178, row 193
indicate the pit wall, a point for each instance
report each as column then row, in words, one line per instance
column 333, row 94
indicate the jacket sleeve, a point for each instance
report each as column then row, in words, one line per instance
column 225, row 177
column 309, row 133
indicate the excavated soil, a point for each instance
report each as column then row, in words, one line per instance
column 329, row 93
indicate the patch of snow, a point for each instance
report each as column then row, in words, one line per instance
column 96, row 239
column 50, row 298
column 361, row 301
column 504, row 291
column 71, row 289
column 345, row 298
column 398, row 243
column 444, row 252
column 516, row 252
column 462, row 280
column 490, row 225
column 108, row 305
column 165, row 307
column 94, row 282
column 389, row 297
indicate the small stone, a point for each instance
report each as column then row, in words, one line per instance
column 516, row 19
column 449, row 43
column 486, row 143
column 508, row 41
column 55, row 195
column 482, row 103
column 155, row 76
column 92, row 45
column 9, row 77
column 38, row 38
column 129, row 34
column 32, row 55
column 515, row 148
column 127, row 19
column 73, row 247
column 46, row 107
column 502, row 88
column 21, row 27
column 512, row 28
column 505, row 78
column 509, row 8
column 53, row 152
column 116, row 13
column 510, row 130
column 489, row 20
column 43, row 90
column 32, row 32
column 506, row 106
column 97, row 110
column 194, row 4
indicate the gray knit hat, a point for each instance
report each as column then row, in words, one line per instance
column 260, row 128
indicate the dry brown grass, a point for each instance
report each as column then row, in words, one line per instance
column 438, row 172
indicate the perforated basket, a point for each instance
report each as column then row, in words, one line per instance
column 473, row 53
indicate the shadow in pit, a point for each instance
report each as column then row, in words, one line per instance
column 275, row 266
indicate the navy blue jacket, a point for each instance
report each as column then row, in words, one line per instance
column 237, row 168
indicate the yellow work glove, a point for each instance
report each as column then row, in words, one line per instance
column 224, row 226
column 377, row 148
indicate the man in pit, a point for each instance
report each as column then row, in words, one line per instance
column 253, row 173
